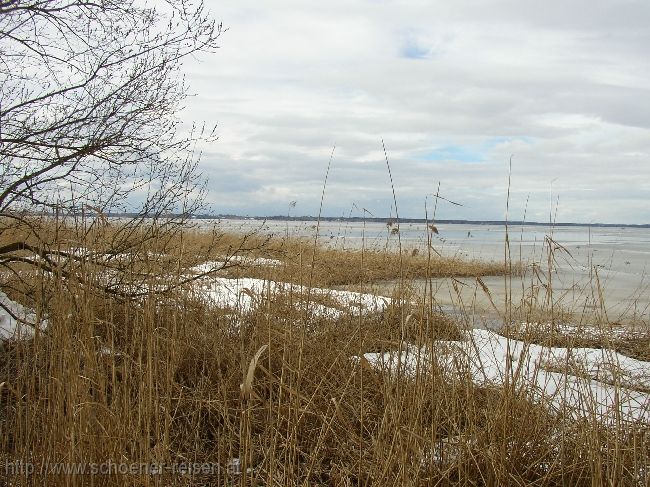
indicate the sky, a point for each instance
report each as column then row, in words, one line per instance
column 456, row 90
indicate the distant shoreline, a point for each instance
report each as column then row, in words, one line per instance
column 418, row 220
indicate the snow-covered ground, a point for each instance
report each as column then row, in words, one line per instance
column 584, row 382
column 245, row 293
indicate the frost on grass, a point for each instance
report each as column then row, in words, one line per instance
column 585, row 383
column 245, row 294
column 17, row 321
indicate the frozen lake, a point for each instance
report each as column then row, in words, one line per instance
column 594, row 270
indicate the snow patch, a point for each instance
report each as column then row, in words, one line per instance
column 21, row 328
column 245, row 294
column 585, row 382
column 215, row 265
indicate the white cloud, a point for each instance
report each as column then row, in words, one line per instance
column 561, row 86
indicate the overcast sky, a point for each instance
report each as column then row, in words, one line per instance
column 454, row 88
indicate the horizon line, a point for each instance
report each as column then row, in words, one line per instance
column 417, row 220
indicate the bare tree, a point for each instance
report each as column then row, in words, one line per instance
column 90, row 92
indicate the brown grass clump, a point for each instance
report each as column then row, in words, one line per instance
column 339, row 267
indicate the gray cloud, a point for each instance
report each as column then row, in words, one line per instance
column 561, row 86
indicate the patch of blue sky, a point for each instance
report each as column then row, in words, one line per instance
column 456, row 153
column 413, row 45
column 422, row 44
column 471, row 152
column 411, row 50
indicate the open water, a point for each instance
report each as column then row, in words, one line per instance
column 591, row 270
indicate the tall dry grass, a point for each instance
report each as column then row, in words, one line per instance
column 273, row 395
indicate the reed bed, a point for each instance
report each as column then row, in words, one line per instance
column 185, row 392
